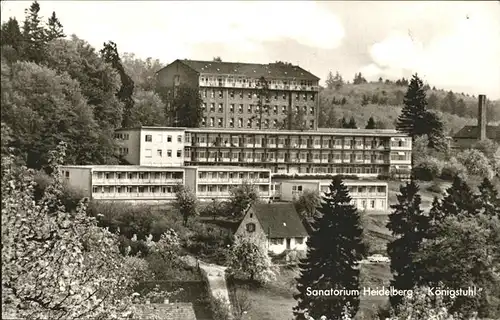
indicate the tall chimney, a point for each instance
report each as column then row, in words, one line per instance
column 481, row 117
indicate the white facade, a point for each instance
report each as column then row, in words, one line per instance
column 280, row 245
column 366, row 195
column 216, row 182
column 152, row 147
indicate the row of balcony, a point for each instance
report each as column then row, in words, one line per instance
column 134, row 182
column 227, row 84
column 294, row 146
column 132, row 195
column 217, row 194
column 305, row 161
column 232, row 181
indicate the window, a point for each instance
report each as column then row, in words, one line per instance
column 212, row 93
column 297, row 97
column 283, row 110
column 159, row 152
column 203, row 122
column 169, row 138
column 169, row 153
column 299, row 240
column 231, row 122
column 148, row 138
column 277, row 241
column 241, row 94
column 305, row 96
column 311, row 110
column 312, row 96
column 249, row 109
column 66, row 174
column 212, row 120
column 275, row 109
column 266, row 123
column 275, row 123
column 221, row 94
column 240, row 123
column 219, row 122
column 231, row 93
column 250, row 227
column 179, row 153
column 148, row 153
column 231, row 107
column 221, row 108
column 204, row 93
column 179, row 138
column 372, row 204
column 177, row 79
column 249, row 123
column 240, row 108
column 212, row 107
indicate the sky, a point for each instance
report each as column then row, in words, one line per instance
column 451, row 45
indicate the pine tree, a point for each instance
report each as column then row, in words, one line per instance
column 459, row 199
column 11, row 35
column 55, row 28
column 488, row 198
column 409, row 225
column 34, row 34
column 330, row 82
column 343, row 123
column 110, row 55
column 334, row 249
column 435, row 134
column 352, row 124
column 370, row 124
column 412, row 118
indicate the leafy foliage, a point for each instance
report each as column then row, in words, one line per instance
column 334, row 249
column 241, row 198
column 307, row 204
column 185, row 203
column 248, row 260
column 476, row 163
column 54, row 263
column 148, row 109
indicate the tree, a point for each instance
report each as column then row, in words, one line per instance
column 242, row 197
column 110, row 55
column 352, row 123
column 327, row 118
column 183, row 106
column 370, row 124
column 55, row 28
column 185, row 202
column 433, row 101
column 461, row 108
column 295, row 121
column 476, row 163
column 459, row 200
column 465, row 253
column 263, row 95
column 334, row 249
column 247, row 260
column 344, row 123
column 34, row 34
column 307, row 204
column 148, row 109
column 11, row 36
column 358, row 79
column 409, row 226
column 57, row 264
column 365, row 100
column 489, row 198
column 414, row 119
column 217, row 59
column 142, row 72
column 42, row 108
column 449, row 103
column 330, row 82
column 435, row 132
column 334, row 82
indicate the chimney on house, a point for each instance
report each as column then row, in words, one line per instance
column 481, row 117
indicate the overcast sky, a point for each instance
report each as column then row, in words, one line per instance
column 452, row 45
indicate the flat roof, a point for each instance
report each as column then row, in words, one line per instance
column 319, row 131
column 321, row 181
column 229, row 168
column 122, row 167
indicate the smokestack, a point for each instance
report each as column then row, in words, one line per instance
column 481, row 117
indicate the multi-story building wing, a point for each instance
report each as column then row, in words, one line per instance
column 360, row 152
column 150, row 184
column 231, row 92
column 367, row 195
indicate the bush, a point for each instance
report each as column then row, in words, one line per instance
column 210, row 242
column 221, row 309
column 435, row 187
column 453, row 168
column 427, row 169
column 70, row 196
column 476, row 163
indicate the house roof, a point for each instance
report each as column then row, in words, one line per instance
column 472, row 132
column 271, row 70
column 279, row 220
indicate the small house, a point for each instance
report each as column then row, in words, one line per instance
column 276, row 226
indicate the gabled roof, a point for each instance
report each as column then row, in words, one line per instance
column 472, row 132
column 254, row 70
column 279, row 220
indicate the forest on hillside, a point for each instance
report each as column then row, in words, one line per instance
column 383, row 101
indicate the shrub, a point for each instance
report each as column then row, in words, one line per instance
column 209, row 241
column 476, row 163
column 435, row 187
column 221, row 310
column 427, row 169
column 453, row 168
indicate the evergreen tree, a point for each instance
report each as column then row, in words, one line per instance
column 433, row 101
column 412, row 118
column 34, row 34
column 365, row 100
column 352, row 124
column 330, row 82
column 11, row 36
column 217, row 59
column 334, row 249
column 435, row 132
column 461, row 108
column 415, row 119
column 55, row 28
column 338, row 81
column 344, row 101
column 435, row 218
column 459, row 199
column 343, row 123
column 110, row 55
column 409, row 225
column 370, row 124
column 489, row 198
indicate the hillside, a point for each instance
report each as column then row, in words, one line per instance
column 384, row 100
